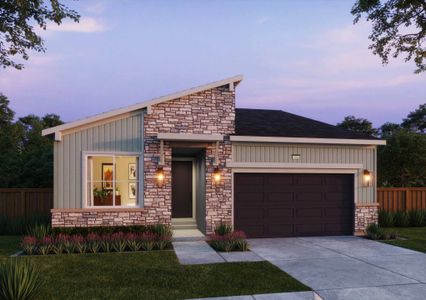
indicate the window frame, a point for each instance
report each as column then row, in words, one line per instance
column 84, row 181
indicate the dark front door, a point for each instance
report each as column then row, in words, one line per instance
column 181, row 189
column 280, row 205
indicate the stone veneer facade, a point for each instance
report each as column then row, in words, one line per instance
column 208, row 112
column 365, row 214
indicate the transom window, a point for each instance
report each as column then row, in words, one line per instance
column 112, row 180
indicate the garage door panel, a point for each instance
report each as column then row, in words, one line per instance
column 280, row 212
column 248, row 198
column 293, row 204
column 248, row 179
column 309, row 212
column 274, row 198
column 308, row 229
column 304, row 197
column 308, row 180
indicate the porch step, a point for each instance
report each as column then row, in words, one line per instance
column 183, row 224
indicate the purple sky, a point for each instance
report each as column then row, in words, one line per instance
column 305, row 57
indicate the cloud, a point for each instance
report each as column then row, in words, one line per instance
column 96, row 8
column 262, row 20
column 86, row 25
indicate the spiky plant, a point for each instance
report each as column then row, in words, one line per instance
column 19, row 280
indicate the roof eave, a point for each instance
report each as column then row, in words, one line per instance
column 231, row 81
column 306, row 140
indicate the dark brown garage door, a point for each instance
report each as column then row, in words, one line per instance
column 280, row 205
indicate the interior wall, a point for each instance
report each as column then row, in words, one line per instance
column 121, row 169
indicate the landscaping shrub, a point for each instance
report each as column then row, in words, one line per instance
column 386, row 218
column 94, row 243
column 19, row 280
column 417, row 218
column 375, row 232
column 402, row 219
column 223, row 229
column 224, row 239
column 160, row 229
column 39, row 231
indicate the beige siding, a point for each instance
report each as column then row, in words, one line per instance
column 312, row 154
column 123, row 135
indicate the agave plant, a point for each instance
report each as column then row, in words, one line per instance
column 93, row 241
column 148, row 240
column 223, row 229
column 45, row 245
column 106, row 243
column 39, row 230
column 19, row 280
column 59, row 244
column 79, row 243
column 119, row 242
column 29, row 244
column 134, row 243
column 69, row 245
column 163, row 242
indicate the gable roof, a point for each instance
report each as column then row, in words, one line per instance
column 278, row 123
column 232, row 81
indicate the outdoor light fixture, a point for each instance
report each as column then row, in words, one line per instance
column 216, row 175
column 295, row 156
column 159, row 174
column 367, row 178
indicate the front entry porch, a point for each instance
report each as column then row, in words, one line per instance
column 188, row 191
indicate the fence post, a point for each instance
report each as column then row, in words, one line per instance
column 408, row 204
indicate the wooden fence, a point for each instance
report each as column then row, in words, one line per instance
column 25, row 202
column 394, row 199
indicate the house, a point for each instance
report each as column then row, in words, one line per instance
column 192, row 158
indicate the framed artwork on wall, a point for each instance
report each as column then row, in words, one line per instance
column 132, row 171
column 107, row 176
column 132, row 190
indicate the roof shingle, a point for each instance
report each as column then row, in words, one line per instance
column 278, row 123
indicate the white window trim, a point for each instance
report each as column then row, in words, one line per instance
column 85, row 155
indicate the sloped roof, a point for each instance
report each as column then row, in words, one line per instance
column 57, row 129
column 278, row 123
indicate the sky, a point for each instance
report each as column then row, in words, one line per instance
column 304, row 57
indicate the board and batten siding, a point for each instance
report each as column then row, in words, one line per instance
column 313, row 154
column 121, row 135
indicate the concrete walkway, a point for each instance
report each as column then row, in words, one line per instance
column 273, row 296
column 199, row 252
column 196, row 252
column 348, row 267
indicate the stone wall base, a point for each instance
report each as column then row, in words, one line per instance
column 365, row 214
column 113, row 217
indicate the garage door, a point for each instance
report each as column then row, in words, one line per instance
column 281, row 205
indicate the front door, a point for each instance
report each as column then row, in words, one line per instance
column 182, row 189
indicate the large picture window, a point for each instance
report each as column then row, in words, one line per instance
column 112, row 180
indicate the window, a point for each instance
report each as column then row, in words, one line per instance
column 112, row 180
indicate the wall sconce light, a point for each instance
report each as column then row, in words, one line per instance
column 295, row 156
column 367, row 176
column 217, row 176
column 159, row 174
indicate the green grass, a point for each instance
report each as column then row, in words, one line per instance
column 149, row 275
column 415, row 238
column 9, row 244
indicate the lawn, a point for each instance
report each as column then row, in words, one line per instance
column 154, row 275
column 9, row 244
column 415, row 238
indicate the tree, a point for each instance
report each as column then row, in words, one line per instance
column 388, row 129
column 9, row 140
column 398, row 28
column 402, row 162
column 37, row 151
column 358, row 125
column 416, row 120
column 17, row 34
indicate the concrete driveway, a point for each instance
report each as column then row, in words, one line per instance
column 348, row 267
